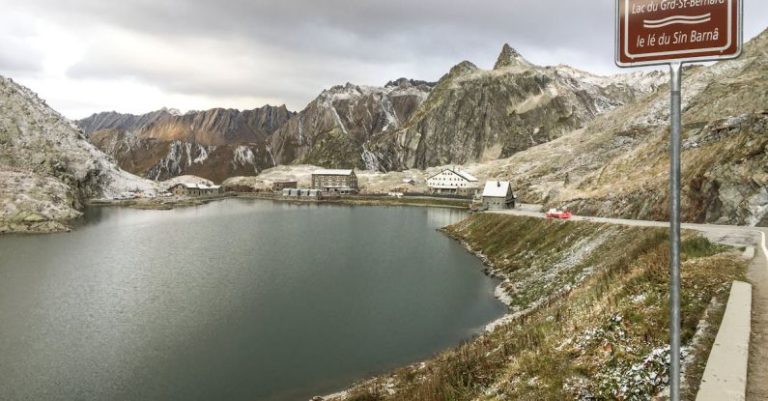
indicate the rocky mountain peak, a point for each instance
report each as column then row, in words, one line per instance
column 348, row 89
column 509, row 57
column 171, row 111
column 407, row 83
column 464, row 67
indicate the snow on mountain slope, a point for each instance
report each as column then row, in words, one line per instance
column 47, row 168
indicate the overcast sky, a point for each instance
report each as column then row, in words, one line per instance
column 135, row 56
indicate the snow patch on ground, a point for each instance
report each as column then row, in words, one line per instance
column 524, row 280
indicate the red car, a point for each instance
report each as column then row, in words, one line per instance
column 558, row 214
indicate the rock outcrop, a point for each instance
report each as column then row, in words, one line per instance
column 509, row 57
column 47, row 167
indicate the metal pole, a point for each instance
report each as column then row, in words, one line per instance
column 674, row 233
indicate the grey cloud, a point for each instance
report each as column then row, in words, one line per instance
column 236, row 71
column 16, row 54
column 15, row 60
column 368, row 29
column 321, row 43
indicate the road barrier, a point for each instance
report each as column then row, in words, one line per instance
column 725, row 377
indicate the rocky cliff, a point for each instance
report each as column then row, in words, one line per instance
column 47, row 167
column 339, row 127
column 214, row 144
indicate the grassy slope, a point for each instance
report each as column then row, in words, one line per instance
column 593, row 320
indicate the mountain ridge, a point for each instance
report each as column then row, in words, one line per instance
column 443, row 124
column 474, row 115
column 469, row 115
column 215, row 143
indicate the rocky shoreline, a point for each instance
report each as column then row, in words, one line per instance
column 502, row 293
column 160, row 203
column 34, row 227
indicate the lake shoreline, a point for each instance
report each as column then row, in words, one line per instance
column 56, row 226
column 502, row 294
column 39, row 226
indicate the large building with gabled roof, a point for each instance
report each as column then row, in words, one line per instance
column 453, row 181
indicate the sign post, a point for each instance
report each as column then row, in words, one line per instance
column 673, row 32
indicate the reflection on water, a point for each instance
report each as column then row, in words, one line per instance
column 236, row 300
column 438, row 218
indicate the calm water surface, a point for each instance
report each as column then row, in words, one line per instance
column 235, row 300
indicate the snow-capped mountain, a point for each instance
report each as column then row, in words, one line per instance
column 618, row 164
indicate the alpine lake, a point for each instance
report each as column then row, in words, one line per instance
column 234, row 300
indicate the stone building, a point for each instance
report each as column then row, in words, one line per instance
column 339, row 181
column 498, row 195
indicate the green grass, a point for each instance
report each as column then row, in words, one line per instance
column 697, row 247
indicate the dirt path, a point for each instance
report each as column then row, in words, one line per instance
column 757, row 381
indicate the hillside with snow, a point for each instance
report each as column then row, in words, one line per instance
column 470, row 115
column 618, row 165
column 47, row 167
column 477, row 115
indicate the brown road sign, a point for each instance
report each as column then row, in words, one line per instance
column 664, row 31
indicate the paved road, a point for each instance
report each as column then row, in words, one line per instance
column 757, row 382
column 722, row 234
